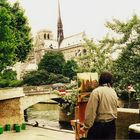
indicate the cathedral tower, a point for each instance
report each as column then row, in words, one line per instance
column 60, row 35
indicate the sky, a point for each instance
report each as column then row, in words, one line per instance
column 77, row 16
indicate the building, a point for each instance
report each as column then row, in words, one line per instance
column 44, row 41
column 71, row 46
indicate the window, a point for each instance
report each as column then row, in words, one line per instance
column 48, row 36
column 44, row 36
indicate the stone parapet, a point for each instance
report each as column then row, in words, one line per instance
column 10, row 106
column 126, row 117
column 9, row 93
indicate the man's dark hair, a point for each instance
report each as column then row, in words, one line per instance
column 106, row 78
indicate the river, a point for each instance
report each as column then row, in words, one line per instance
column 45, row 114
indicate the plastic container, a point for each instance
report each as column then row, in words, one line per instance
column 1, row 130
column 7, row 127
column 23, row 126
column 17, row 128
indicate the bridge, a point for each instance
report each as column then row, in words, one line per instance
column 14, row 101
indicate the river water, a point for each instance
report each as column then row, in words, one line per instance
column 45, row 114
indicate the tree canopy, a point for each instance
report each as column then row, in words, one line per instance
column 127, row 67
column 124, row 42
column 97, row 57
column 70, row 69
column 52, row 61
column 15, row 37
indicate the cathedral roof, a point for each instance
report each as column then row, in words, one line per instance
column 73, row 40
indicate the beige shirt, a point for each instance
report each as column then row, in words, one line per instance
column 101, row 106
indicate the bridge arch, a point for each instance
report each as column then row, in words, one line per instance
column 32, row 99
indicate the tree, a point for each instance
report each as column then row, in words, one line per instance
column 7, row 39
column 15, row 39
column 52, row 61
column 127, row 67
column 70, row 69
column 97, row 58
column 22, row 32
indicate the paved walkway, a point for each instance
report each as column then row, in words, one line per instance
column 36, row 133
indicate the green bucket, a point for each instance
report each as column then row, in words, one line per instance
column 1, row 129
column 17, row 128
column 7, row 127
column 23, row 126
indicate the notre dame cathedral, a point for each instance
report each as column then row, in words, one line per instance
column 44, row 41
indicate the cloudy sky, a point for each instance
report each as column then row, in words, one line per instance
column 78, row 15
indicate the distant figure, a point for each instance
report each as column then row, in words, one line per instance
column 36, row 124
column 25, row 115
column 101, row 110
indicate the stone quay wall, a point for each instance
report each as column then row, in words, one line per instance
column 126, row 117
column 10, row 106
column 10, row 112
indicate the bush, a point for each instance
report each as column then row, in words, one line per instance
column 15, row 83
column 70, row 101
column 8, row 79
column 4, row 83
column 36, row 78
column 124, row 95
column 42, row 77
column 9, row 74
column 62, row 79
column 52, row 61
column 10, row 83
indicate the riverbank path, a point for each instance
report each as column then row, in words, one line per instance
column 37, row 133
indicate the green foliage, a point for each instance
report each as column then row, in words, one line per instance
column 4, row 83
column 97, row 57
column 10, row 83
column 124, row 95
column 71, row 100
column 7, row 39
column 9, row 74
column 53, row 61
column 42, row 77
column 15, row 83
column 15, row 40
column 36, row 78
column 70, row 69
column 127, row 67
column 22, row 32
column 8, row 79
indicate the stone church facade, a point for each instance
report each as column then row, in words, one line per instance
column 71, row 46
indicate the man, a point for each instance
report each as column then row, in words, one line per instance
column 101, row 110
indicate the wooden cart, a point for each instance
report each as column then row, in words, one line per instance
column 80, row 114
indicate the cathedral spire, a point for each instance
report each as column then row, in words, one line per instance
column 60, row 35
